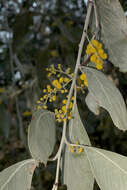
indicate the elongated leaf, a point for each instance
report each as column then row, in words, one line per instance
column 18, row 176
column 114, row 31
column 92, row 104
column 109, row 169
column 41, row 135
column 77, row 173
column 107, row 96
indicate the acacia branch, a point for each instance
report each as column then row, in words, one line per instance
column 63, row 140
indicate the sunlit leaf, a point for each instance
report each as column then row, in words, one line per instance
column 41, row 135
column 113, row 31
column 77, row 173
column 107, row 96
column 18, row 176
column 109, row 169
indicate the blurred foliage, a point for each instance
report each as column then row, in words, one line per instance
column 33, row 35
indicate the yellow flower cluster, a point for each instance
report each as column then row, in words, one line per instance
column 49, row 96
column 82, row 82
column 58, row 71
column 61, row 113
column 83, row 78
column 75, row 149
column 61, row 79
column 97, row 54
column 59, row 85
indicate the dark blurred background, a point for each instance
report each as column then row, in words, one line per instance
column 33, row 35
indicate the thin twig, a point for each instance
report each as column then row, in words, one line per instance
column 19, row 65
column 22, row 136
column 96, row 16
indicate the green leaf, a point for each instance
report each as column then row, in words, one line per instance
column 113, row 31
column 107, row 96
column 92, row 104
column 77, row 173
column 18, row 176
column 109, row 169
column 42, row 135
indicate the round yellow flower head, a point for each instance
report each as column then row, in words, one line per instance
column 56, row 84
column 93, row 58
column 61, row 80
column 62, row 91
column 100, row 52
column 99, row 66
column 83, row 77
column 95, row 43
column 104, row 56
column 64, row 109
column 44, row 90
column 64, row 101
column 53, row 98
